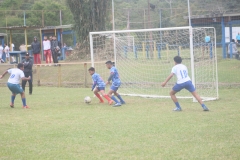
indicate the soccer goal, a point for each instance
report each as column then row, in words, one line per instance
column 144, row 59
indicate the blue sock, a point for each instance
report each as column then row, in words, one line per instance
column 24, row 101
column 203, row 105
column 12, row 99
column 120, row 98
column 177, row 105
column 115, row 100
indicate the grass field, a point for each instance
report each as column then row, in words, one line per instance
column 60, row 126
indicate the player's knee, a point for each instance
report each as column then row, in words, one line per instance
column 172, row 93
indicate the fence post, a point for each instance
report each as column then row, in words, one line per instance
column 59, row 75
column 38, row 77
column 85, row 75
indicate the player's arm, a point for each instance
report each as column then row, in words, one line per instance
column 168, row 78
column 109, row 79
column 94, row 85
column 1, row 76
column 26, row 78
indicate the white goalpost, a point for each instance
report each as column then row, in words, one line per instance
column 144, row 59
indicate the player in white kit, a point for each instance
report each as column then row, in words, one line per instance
column 16, row 74
column 183, row 82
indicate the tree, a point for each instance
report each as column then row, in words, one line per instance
column 89, row 16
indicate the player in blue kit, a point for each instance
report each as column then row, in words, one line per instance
column 183, row 82
column 16, row 74
column 116, row 83
column 98, row 86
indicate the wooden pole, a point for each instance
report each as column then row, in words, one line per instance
column 59, row 76
column 41, row 42
column 10, row 45
column 26, row 39
column 85, row 75
column 42, row 18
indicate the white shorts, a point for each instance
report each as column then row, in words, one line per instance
column 7, row 55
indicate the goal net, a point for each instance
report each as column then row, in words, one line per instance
column 144, row 59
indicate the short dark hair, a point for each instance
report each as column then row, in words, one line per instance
column 177, row 59
column 91, row 69
column 20, row 65
column 233, row 40
column 109, row 62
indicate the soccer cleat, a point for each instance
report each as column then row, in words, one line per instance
column 177, row 109
column 205, row 108
column 117, row 105
column 12, row 105
column 25, row 107
column 110, row 102
column 123, row 102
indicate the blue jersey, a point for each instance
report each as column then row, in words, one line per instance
column 207, row 39
column 238, row 37
column 115, row 76
column 97, row 80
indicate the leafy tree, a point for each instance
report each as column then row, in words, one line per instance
column 89, row 16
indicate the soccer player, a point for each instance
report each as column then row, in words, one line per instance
column 183, row 82
column 98, row 86
column 16, row 74
column 116, row 82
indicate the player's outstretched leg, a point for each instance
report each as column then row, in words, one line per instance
column 120, row 98
column 24, row 100
column 114, row 98
column 98, row 95
column 200, row 101
column 110, row 102
column 12, row 100
column 174, row 98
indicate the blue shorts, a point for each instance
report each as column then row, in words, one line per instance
column 15, row 88
column 101, row 88
column 115, row 87
column 186, row 85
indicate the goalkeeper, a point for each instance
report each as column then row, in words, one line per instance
column 183, row 82
column 98, row 86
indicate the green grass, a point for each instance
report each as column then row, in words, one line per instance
column 60, row 126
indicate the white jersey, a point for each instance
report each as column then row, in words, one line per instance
column 15, row 75
column 1, row 51
column 181, row 72
column 6, row 50
column 46, row 45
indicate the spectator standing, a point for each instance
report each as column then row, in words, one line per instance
column 47, row 50
column 36, row 49
column 28, row 63
column 12, row 47
column 22, row 47
column 55, row 49
column 238, row 38
column 6, row 50
column 232, row 49
column 1, row 53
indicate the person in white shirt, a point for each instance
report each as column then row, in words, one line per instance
column 1, row 53
column 183, row 82
column 47, row 50
column 6, row 50
column 16, row 74
column 12, row 47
